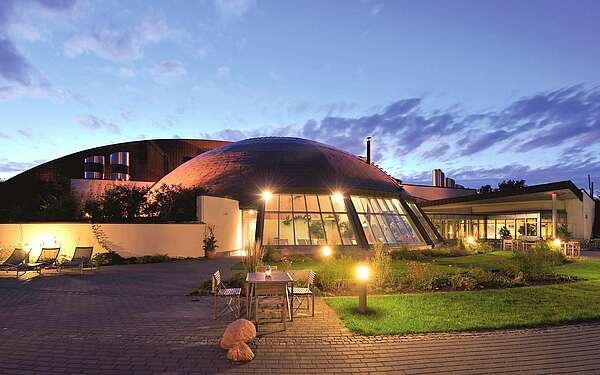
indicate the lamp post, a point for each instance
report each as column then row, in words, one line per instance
column 363, row 275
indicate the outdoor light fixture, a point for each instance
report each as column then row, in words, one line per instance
column 266, row 195
column 326, row 251
column 470, row 241
column 337, row 196
column 363, row 275
column 556, row 242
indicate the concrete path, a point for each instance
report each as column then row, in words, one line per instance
column 138, row 320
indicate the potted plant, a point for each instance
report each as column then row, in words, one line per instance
column 504, row 233
column 210, row 242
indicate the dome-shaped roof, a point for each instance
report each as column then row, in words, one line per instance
column 242, row 170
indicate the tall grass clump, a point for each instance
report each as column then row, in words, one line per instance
column 538, row 262
column 252, row 257
column 381, row 266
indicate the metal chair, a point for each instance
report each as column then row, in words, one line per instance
column 220, row 290
column 302, row 294
column 81, row 257
column 17, row 257
column 46, row 259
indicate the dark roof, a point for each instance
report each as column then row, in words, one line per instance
column 243, row 169
column 560, row 185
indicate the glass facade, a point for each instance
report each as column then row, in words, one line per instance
column 538, row 224
column 384, row 220
column 307, row 219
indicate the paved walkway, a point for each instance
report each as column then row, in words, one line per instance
column 138, row 320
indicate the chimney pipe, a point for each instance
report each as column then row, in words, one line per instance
column 368, row 150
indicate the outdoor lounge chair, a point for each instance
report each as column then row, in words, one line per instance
column 302, row 294
column 230, row 295
column 17, row 257
column 46, row 259
column 81, row 257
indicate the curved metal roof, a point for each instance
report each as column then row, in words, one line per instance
column 242, row 170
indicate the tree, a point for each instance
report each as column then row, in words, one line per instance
column 511, row 185
column 118, row 203
column 173, row 203
column 485, row 189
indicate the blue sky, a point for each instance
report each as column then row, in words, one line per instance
column 485, row 90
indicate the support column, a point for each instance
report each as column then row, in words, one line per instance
column 554, row 221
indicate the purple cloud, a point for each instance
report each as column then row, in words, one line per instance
column 116, row 45
column 97, row 123
column 13, row 66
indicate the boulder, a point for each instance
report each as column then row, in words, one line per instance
column 241, row 330
column 240, row 352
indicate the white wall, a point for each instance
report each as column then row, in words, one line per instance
column 175, row 240
column 226, row 216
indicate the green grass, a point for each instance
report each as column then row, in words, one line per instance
column 479, row 310
column 464, row 311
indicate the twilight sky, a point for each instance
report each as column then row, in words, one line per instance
column 485, row 90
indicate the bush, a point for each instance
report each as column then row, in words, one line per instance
column 484, row 247
column 335, row 273
column 407, row 254
column 463, row 281
column 107, row 259
column 538, row 262
column 381, row 264
column 422, row 276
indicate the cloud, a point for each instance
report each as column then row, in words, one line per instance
column 13, row 66
column 231, row 10
column 114, row 45
column 168, row 70
column 376, row 9
column 7, row 166
column 223, row 73
column 97, row 123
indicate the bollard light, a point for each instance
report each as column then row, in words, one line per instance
column 363, row 276
column 556, row 242
column 326, row 251
column 470, row 240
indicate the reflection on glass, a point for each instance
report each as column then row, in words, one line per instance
column 311, row 203
column 338, row 203
column 286, row 229
column 532, row 227
column 301, row 229
column 491, row 229
column 317, row 232
column 270, row 230
column 375, row 205
column 348, row 236
column 366, row 228
column 325, row 203
column 272, row 204
column 285, row 202
column 299, row 203
column 331, row 229
column 357, row 204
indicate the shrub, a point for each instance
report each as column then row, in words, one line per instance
column 407, row 254
column 484, row 247
column 107, row 259
column 422, row 276
column 238, row 280
column 536, row 263
column 463, row 281
column 335, row 273
column 270, row 255
column 381, row 265
column 157, row 258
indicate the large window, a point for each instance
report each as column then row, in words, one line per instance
column 307, row 219
column 384, row 220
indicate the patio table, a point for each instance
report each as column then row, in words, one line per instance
column 277, row 277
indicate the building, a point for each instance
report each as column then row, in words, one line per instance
column 297, row 193
column 288, row 193
column 536, row 210
column 139, row 163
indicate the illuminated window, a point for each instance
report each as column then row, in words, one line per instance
column 299, row 219
column 384, row 220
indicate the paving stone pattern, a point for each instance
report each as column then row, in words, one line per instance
column 137, row 319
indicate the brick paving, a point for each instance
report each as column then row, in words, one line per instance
column 138, row 320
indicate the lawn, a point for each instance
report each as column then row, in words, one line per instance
column 464, row 311
column 479, row 310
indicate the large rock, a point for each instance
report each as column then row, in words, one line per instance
column 241, row 330
column 240, row 352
